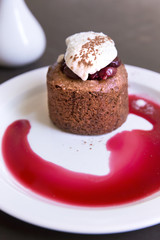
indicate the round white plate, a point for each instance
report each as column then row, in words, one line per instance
column 25, row 97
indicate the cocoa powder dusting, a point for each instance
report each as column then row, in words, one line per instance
column 75, row 57
column 90, row 48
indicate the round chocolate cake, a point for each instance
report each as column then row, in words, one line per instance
column 95, row 106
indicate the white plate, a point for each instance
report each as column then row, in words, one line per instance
column 25, row 96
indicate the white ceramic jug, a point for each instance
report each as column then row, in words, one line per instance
column 22, row 39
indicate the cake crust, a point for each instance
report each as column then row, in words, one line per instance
column 89, row 107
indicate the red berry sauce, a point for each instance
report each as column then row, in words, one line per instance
column 134, row 165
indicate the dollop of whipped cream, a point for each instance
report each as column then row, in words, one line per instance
column 89, row 52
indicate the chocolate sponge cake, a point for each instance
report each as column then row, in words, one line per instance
column 92, row 106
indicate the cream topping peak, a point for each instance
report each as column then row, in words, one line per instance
column 88, row 52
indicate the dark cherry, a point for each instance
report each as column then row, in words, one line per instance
column 115, row 63
column 93, row 76
column 67, row 71
column 106, row 72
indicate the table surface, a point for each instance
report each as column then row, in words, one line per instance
column 134, row 26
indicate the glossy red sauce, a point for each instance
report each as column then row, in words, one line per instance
column 134, row 165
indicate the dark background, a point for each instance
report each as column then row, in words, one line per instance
column 135, row 28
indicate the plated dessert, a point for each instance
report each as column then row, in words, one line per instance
column 88, row 86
